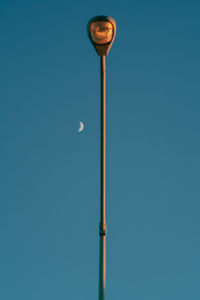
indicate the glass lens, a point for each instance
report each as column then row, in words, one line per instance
column 101, row 32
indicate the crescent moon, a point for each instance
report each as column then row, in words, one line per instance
column 81, row 127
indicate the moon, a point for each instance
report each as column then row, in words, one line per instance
column 81, row 126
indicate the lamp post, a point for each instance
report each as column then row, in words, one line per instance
column 101, row 31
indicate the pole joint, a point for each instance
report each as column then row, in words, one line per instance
column 102, row 229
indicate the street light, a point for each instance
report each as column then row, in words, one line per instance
column 101, row 31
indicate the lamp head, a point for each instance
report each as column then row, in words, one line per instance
column 101, row 31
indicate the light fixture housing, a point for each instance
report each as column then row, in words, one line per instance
column 102, row 31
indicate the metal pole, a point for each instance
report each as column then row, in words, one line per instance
column 102, row 224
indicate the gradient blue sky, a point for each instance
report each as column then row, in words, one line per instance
column 49, row 194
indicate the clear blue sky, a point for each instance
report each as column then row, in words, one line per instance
column 49, row 194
